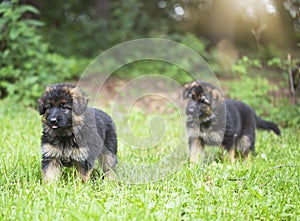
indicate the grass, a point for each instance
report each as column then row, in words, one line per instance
column 266, row 187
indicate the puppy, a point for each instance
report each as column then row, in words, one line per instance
column 74, row 134
column 212, row 120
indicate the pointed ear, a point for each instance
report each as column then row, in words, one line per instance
column 186, row 90
column 80, row 100
column 185, row 93
column 188, row 87
column 41, row 103
column 41, row 106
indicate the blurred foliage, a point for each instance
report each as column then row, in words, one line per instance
column 25, row 61
column 200, row 45
column 286, row 113
column 267, row 99
column 255, row 91
column 86, row 28
column 263, row 97
column 172, row 71
column 42, row 48
column 71, row 28
column 127, row 17
column 269, row 52
column 154, row 67
column 282, row 64
column 243, row 65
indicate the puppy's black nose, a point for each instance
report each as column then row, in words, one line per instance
column 53, row 120
column 190, row 111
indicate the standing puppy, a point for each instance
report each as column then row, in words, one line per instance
column 74, row 134
column 212, row 120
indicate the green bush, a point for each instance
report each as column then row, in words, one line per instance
column 254, row 91
column 25, row 61
column 173, row 71
column 149, row 67
column 243, row 65
column 287, row 114
column 258, row 93
column 195, row 43
column 79, row 28
column 22, row 58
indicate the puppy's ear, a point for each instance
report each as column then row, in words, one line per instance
column 185, row 93
column 188, row 87
column 41, row 106
column 41, row 101
column 80, row 100
column 186, row 90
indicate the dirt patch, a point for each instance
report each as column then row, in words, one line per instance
column 147, row 95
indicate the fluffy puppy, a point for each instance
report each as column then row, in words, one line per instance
column 213, row 120
column 74, row 134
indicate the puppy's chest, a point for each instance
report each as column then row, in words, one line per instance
column 67, row 153
column 206, row 132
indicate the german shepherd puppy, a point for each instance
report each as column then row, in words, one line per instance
column 212, row 120
column 74, row 134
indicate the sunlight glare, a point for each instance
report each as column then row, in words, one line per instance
column 179, row 10
column 253, row 8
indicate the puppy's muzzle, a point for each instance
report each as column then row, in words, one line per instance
column 191, row 112
column 53, row 122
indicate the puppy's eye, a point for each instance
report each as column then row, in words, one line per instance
column 204, row 100
column 64, row 106
column 192, row 96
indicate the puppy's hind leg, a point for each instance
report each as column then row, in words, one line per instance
column 246, row 144
column 231, row 152
column 108, row 162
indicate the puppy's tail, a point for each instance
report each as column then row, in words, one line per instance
column 267, row 125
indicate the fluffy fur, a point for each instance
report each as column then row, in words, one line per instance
column 212, row 120
column 74, row 134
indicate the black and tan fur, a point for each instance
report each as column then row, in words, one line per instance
column 74, row 134
column 214, row 121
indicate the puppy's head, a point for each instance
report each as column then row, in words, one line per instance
column 198, row 105
column 59, row 103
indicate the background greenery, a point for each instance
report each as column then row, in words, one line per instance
column 42, row 42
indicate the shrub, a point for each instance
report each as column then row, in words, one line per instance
column 25, row 61
column 259, row 94
column 254, row 91
column 243, row 65
column 173, row 71
column 287, row 114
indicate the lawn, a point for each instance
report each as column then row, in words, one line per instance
column 266, row 187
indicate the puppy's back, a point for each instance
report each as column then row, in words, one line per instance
column 240, row 115
column 106, row 126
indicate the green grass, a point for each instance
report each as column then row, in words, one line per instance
column 266, row 187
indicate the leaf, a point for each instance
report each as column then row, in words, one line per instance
column 3, row 21
column 5, row 54
column 4, row 7
column 14, row 33
column 34, row 23
column 27, row 8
